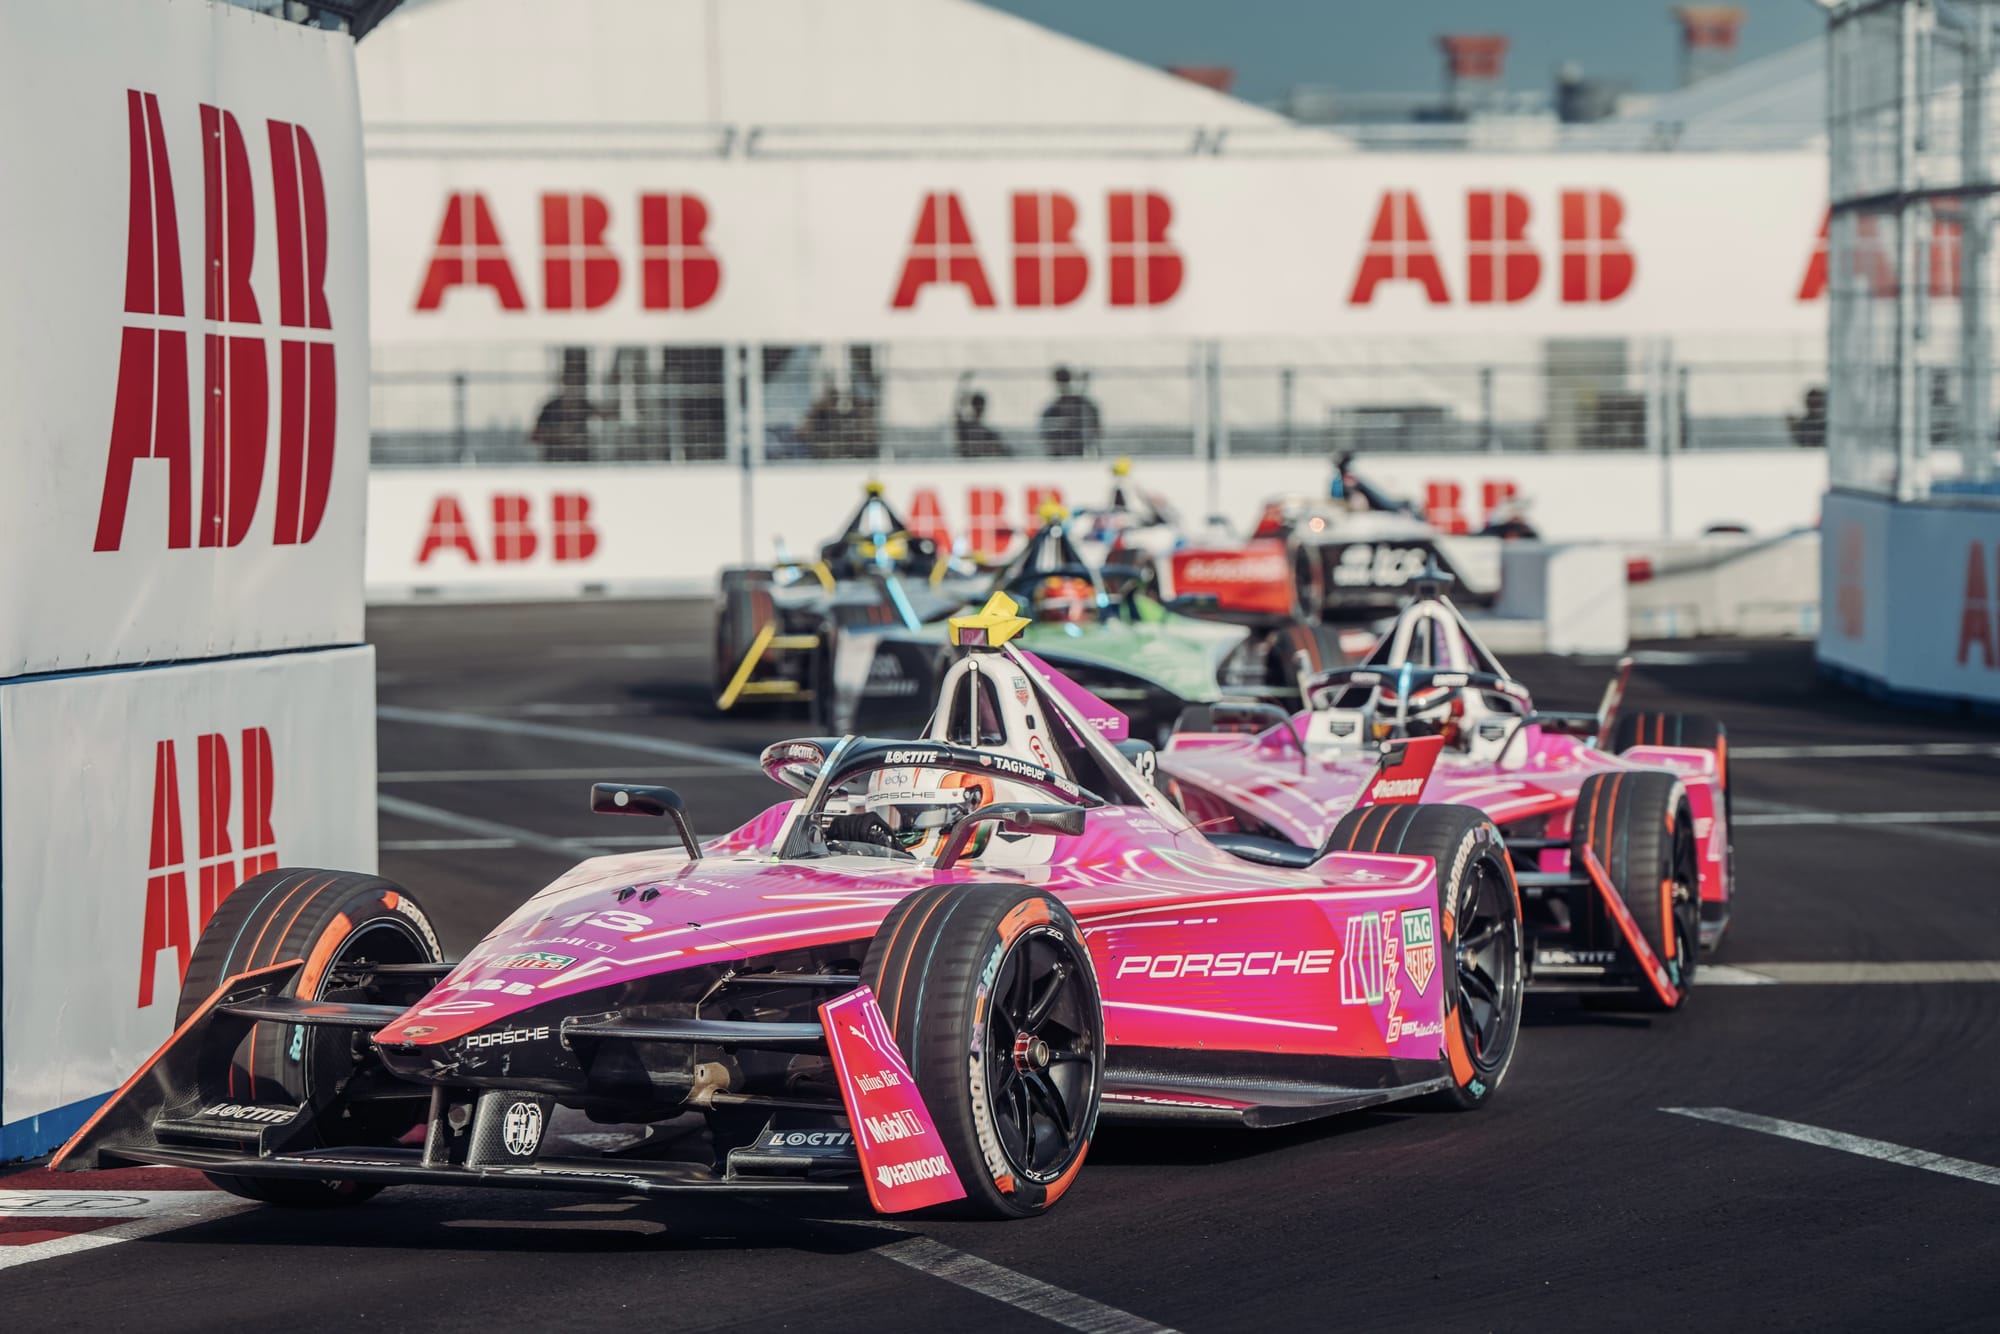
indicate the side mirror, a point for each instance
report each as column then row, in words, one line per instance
column 645, row 799
column 1020, row 817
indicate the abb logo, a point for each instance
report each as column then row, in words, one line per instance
column 1049, row 268
column 216, row 865
column 1874, row 257
column 988, row 529
column 1976, row 622
column 151, row 420
column 1503, row 265
column 514, row 537
column 580, row 269
column 1444, row 503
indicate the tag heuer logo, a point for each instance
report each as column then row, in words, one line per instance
column 1419, row 947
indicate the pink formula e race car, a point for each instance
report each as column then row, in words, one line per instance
column 1616, row 824
column 921, row 978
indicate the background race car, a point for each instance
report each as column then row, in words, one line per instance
column 1616, row 824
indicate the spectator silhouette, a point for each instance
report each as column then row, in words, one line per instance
column 977, row 440
column 562, row 428
column 1070, row 423
column 1809, row 427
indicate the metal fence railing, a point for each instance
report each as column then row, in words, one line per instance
column 795, row 406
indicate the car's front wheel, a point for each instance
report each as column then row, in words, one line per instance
column 989, row 992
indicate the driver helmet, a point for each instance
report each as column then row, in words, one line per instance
column 1064, row 598
column 1432, row 711
column 920, row 807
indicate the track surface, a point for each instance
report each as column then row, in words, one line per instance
column 1573, row 1201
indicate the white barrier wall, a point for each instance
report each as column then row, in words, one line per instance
column 135, row 802
column 554, row 531
column 1911, row 597
column 184, row 369
column 483, row 237
column 184, row 349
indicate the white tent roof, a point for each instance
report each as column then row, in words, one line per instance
column 906, row 65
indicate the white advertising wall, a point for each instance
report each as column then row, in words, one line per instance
column 184, row 346
column 1911, row 597
column 554, row 531
column 132, row 802
column 478, row 248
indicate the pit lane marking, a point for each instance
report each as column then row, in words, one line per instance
column 480, row 828
column 1806, row 817
column 1881, row 1150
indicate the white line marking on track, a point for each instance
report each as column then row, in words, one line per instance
column 1057, row 1305
column 1866, row 750
column 471, row 722
column 1804, row 817
column 485, row 829
column 446, row 844
column 157, row 1211
column 1886, row 1152
column 594, row 774
column 1844, row 973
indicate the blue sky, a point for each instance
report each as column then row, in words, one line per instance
column 1373, row 47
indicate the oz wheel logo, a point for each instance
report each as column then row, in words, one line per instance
column 521, row 1131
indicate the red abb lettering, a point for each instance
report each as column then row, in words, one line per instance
column 151, row 417
column 987, row 506
column 447, row 529
column 166, row 922
column 677, row 270
column 306, row 380
column 575, row 538
column 1444, row 506
column 1597, row 266
column 942, row 252
column 1049, row 268
column 1975, row 623
column 927, row 518
column 1493, row 494
column 469, row 253
column 579, row 272
column 1501, row 265
column 513, row 531
column 1399, row 248
column 1875, row 266
column 166, row 926
column 1145, row 269
column 572, row 536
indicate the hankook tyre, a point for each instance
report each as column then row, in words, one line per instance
column 1479, row 939
column 990, row 993
column 1676, row 729
column 329, row 919
column 1641, row 827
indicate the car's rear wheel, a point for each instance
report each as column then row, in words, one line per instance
column 989, row 991
column 333, row 920
column 1641, row 829
column 1479, row 938
column 743, row 607
column 1694, row 730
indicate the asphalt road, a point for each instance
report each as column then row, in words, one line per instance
column 1575, row 1200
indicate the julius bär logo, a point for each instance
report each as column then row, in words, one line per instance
column 168, row 923
column 152, row 421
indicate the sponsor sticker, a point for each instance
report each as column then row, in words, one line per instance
column 537, row 960
column 506, row 1037
column 263, row 1116
column 903, row 1160
column 1419, row 948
